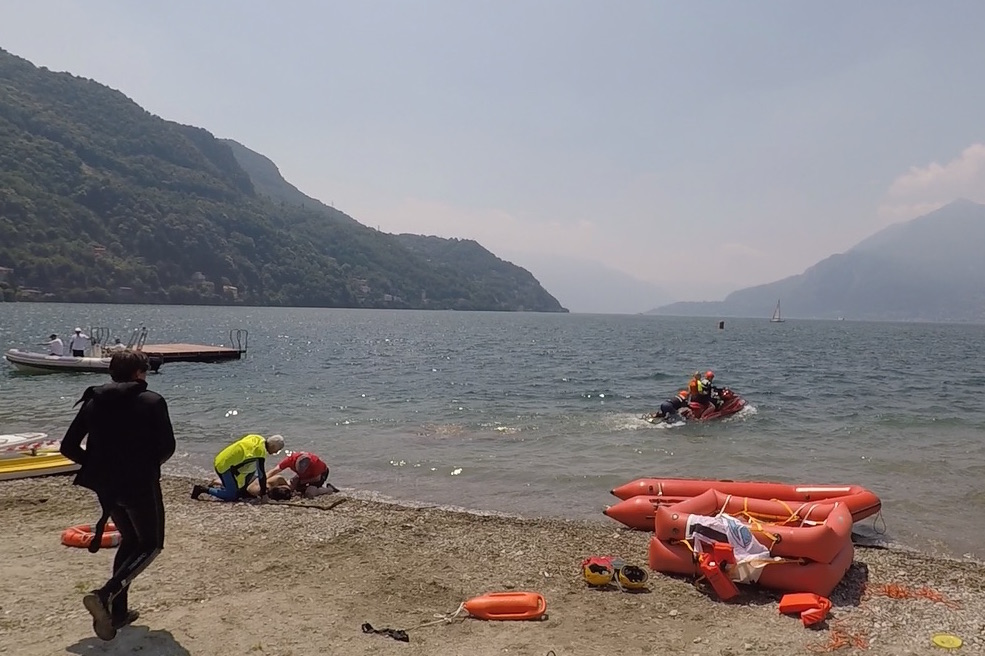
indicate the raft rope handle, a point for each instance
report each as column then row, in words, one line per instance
column 401, row 634
column 774, row 560
column 754, row 523
column 876, row 519
column 694, row 554
column 446, row 618
column 794, row 515
column 758, row 527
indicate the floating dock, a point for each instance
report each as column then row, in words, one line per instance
column 190, row 353
column 161, row 353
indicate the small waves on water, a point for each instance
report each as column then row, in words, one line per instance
column 541, row 414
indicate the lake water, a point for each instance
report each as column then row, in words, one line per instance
column 538, row 414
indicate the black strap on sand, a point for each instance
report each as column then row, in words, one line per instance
column 99, row 529
column 397, row 634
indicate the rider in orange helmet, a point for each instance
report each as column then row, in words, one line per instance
column 707, row 392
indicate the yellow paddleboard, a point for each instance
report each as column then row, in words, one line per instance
column 43, row 464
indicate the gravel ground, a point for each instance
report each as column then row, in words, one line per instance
column 293, row 578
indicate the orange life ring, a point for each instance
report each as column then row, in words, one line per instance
column 82, row 536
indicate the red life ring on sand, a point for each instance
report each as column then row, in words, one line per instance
column 82, row 536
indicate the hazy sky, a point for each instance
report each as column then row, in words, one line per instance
column 701, row 146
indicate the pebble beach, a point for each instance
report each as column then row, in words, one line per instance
column 295, row 578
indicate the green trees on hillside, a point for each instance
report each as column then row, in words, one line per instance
column 102, row 201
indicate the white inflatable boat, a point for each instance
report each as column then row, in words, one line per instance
column 41, row 363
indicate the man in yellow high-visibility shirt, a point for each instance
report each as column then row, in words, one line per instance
column 239, row 463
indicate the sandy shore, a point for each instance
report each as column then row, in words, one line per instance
column 284, row 580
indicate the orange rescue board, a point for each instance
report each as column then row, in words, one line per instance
column 507, row 606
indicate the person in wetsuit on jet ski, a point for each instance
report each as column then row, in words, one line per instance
column 671, row 408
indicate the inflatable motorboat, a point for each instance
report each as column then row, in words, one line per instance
column 39, row 363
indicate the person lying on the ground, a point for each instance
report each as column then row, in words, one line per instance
column 312, row 474
column 280, row 488
column 292, row 485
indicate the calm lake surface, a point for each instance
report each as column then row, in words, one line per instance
column 538, row 414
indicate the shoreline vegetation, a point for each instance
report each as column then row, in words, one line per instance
column 299, row 577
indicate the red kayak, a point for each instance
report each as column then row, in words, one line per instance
column 642, row 497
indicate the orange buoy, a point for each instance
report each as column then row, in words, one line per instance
column 82, row 536
column 507, row 606
column 812, row 608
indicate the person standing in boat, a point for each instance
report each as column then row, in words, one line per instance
column 129, row 437
column 78, row 343
column 54, row 344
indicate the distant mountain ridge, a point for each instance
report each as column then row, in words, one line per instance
column 930, row 268
column 267, row 180
column 494, row 283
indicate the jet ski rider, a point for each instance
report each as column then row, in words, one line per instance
column 706, row 392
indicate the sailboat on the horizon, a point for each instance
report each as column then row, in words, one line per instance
column 776, row 318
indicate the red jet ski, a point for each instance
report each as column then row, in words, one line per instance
column 729, row 404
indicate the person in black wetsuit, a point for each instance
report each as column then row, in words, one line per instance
column 130, row 437
column 670, row 409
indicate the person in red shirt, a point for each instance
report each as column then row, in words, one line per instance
column 311, row 470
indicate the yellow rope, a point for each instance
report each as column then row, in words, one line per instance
column 757, row 526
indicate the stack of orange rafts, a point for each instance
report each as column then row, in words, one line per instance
column 794, row 538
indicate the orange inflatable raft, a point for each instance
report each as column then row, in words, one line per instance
column 642, row 497
column 813, row 531
column 789, row 576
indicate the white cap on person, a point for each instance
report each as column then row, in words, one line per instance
column 275, row 443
